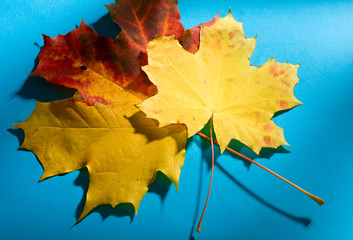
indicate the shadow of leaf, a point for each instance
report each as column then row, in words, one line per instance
column 19, row 134
column 199, row 187
column 160, row 186
column 302, row 220
column 39, row 89
column 243, row 149
column 121, row 210
column 106, row 27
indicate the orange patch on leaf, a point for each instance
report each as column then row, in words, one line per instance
column 267, row 140
column 91, row 100
column 283, row 104
column 231, row 46
column 156, row 111
column 284, row 82
column 274, row 70
column 232, row 34
column 218, row 44
column 268, row 127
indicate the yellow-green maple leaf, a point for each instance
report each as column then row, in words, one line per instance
column 121, row 148
column 219, row 81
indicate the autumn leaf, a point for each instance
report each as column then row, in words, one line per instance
column 90, row 63
column 219, row 82
column 141, row 20
column 120, row 147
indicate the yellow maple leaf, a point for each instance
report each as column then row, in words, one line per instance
column 121, row 148
column 219, row 81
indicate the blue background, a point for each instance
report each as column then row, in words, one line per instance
column 246, row 202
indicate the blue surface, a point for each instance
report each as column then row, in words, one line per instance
column 245, row 203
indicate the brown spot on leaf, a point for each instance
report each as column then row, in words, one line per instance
column 281, row 72
column 232, row 34
column 231, row 46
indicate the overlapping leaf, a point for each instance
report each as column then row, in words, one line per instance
column 100, row 128
column 219, row 82
column 90, row 63
column 190, row 40
column 121, row 149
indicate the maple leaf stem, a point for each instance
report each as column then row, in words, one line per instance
column 315, row 198
column 209, row 188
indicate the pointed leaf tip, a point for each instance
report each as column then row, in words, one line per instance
column 230, row 12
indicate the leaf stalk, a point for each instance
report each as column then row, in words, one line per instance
column 320, row 201
column 209, row 188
